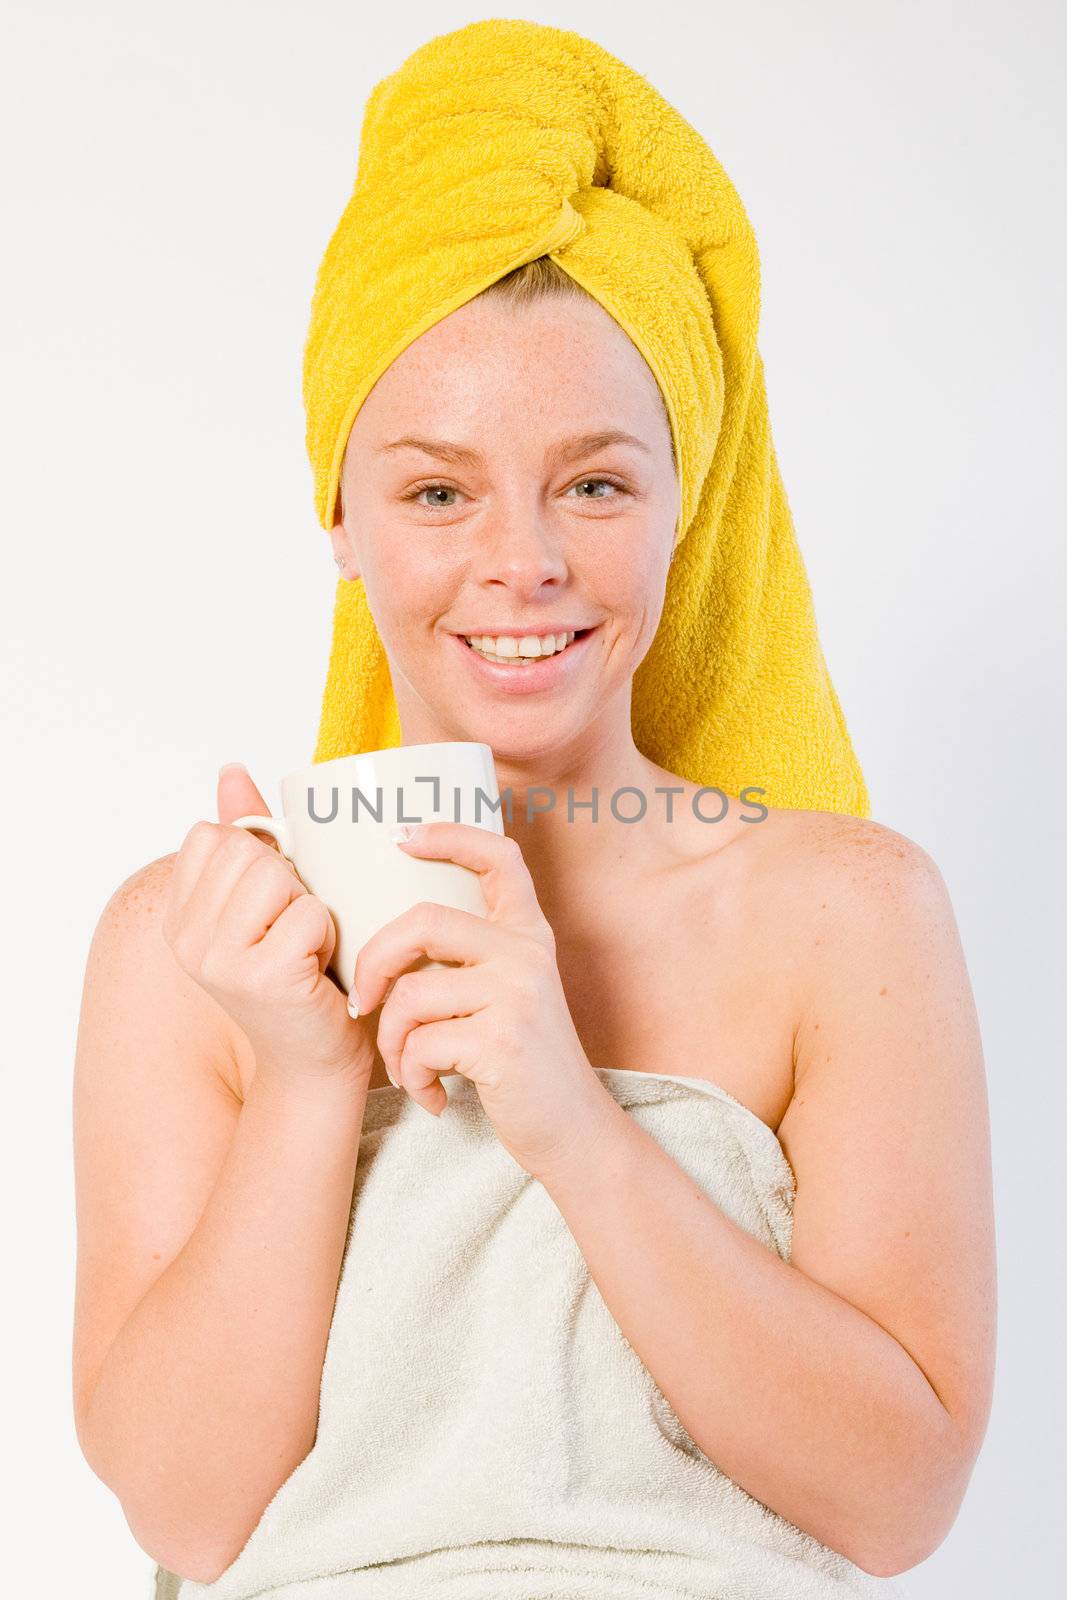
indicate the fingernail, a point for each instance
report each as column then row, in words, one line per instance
column 392, row 1080
column 409, row 830
column 232, row 766
column 353, row 1003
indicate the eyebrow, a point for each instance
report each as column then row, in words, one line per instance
column 564, row 449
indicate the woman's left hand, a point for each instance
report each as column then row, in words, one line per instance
column 501, row 1019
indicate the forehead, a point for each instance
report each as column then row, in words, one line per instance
column 550, row 363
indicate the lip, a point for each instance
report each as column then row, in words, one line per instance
column 538, row 632
column 539, row 675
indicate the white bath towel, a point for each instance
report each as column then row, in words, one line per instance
column 485, row 1429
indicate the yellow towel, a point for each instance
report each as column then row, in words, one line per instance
column 507, row 140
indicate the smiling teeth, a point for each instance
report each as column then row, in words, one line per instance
column 509, row 649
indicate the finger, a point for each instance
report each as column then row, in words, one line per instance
column 255, row 902
column 433, row 1049
column 299, row 934
column 234, row 853
column 197, row 861
column 237, row 795
column 272, row 844
column 194, row 852
column 507, row 886
column 418, row 998
column 260, row 898
column 443, row 933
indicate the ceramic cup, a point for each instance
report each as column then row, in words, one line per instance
column 337, row 817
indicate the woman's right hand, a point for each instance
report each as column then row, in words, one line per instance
column 245, row 928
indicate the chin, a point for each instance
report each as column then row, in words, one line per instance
column 507, row 744
column 544, row 747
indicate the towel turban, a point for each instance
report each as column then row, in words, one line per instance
column 508, row 140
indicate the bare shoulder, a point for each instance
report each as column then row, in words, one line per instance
column 837, row 840
column 143, row 889
column 828, row 868
column 872, row 922
column 822, row 880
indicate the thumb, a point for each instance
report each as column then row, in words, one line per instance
column 237, row 795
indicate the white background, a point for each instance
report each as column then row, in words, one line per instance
column 172, row 175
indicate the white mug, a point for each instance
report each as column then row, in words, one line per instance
column 337, row 817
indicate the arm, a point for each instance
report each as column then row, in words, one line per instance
column 849, row 1389
column 210, row 1238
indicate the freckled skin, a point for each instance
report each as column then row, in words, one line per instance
column 146, row 885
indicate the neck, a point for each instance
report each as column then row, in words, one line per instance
column 565, row 805
column 565, row 812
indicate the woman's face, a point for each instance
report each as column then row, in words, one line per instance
column 517, row 530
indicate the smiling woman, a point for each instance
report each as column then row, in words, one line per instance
column 686, row 1284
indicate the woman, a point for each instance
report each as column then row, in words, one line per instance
column 694, row 1291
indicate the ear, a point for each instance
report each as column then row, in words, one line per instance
column 344, row 552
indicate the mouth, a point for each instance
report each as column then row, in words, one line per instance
column 570, row 635
column 519, row 675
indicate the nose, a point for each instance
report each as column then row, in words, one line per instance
column 522, row 551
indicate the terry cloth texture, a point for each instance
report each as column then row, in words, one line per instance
column 507, row 140
column 486, row 1432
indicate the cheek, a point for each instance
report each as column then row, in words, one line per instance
column 641, row 598
column 406, row 591
column 630, row 583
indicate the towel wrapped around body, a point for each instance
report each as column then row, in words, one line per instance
column 486, row 1431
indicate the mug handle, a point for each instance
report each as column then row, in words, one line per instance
column 277, row 827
